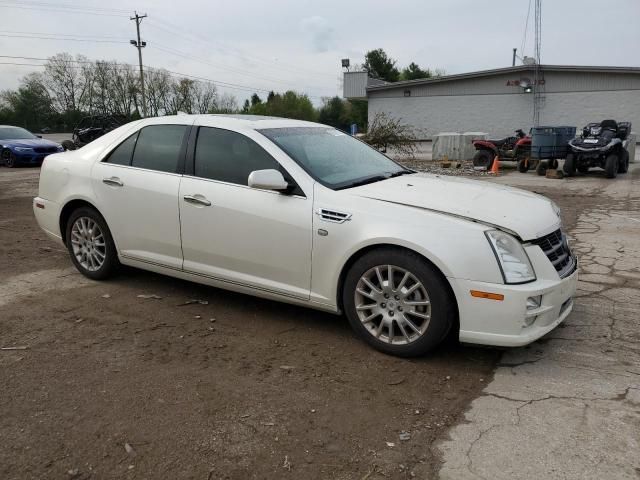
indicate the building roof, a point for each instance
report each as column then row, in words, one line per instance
column 499, row 71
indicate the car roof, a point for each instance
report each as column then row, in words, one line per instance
column 253, row 122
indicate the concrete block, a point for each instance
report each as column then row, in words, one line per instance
column 455, row 146
column 631, row 147
column 445, row 145
column 467, row 150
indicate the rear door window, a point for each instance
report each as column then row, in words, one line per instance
column 122, row 154
column 158, row 147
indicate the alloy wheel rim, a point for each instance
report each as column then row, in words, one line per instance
column 88, row 243
column 392, row 304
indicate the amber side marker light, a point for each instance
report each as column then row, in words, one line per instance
column 487, row 295
column 40, row 205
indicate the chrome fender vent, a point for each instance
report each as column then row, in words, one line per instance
column 333, row 215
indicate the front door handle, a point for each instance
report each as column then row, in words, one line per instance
column 197, row 200
column 113, row 181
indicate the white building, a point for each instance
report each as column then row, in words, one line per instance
column 501, row 100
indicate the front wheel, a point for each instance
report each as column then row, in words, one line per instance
column 68, row 145
column 623, row 166
column 90, row 244
column 541, row 169
column 8, row 159
column 611, row 166
column 483, row 159
column 569, row 167
column 398, row 302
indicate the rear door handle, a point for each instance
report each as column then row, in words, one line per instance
column 113, row 181
column 197, row 200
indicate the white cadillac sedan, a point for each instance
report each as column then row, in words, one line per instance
column 302, row 213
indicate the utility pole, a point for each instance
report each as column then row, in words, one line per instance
column 140, row 45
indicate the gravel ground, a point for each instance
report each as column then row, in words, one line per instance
column 112, row 385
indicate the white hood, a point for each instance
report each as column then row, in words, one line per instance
column 526, row 214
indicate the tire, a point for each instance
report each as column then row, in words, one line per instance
column 541, row 169
column 85, row 219
column 623, row 166
column 9, row 159
column 483, row 159
column 523, row 164
column 68, row 145
column 411, row 333
column 611, row 166
column 569, row 167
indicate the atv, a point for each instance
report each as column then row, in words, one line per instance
column 517, row 148
column 91, row 127
column 601, row 145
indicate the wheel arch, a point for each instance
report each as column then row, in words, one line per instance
column 376, row 246
column 68, row 209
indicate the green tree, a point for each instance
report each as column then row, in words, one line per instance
column 414, row 72
column 287, row 105
column 380, row 65
column 246, row 107
column 255, row 99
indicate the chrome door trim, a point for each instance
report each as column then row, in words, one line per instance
column 218, row 279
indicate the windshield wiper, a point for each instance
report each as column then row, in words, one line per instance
column 365, row 181
column 401, row 172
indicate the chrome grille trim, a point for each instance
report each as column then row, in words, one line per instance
column 333, row 215
column 556, row 248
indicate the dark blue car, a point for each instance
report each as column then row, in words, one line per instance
column 21, row 147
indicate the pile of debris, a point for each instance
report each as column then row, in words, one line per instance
column 451, row 168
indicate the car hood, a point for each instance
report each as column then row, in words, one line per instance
column 526, row 214
column 26, row 142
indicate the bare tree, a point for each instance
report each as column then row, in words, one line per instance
column 205, row 95
column 225, row 103
column 388, row 132
column 158, row 87
column 65, row 81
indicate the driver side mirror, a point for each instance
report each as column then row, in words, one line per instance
column 268, row 180
column 39, row 136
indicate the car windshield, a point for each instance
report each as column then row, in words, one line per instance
column 15, row 133
column 333, row 158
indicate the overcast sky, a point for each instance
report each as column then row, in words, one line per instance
column 298, row 44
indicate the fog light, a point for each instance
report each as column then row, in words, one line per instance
column 529, row 321
column 534, row 302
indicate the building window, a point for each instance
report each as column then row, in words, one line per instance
column 407, row 93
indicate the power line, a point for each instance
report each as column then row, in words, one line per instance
column 60, row 10
column 39, row 37
column 175, row 30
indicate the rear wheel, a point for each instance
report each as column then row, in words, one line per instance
column 541, row 169
column 569, row 167
column 397, row 302
column 483, row 159
column 8, row 158
column 523, row 164
column 90, row 244
column 623, row 166
column 611, row 166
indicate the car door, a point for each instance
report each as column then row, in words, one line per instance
column 137, row 186
column 239, row 234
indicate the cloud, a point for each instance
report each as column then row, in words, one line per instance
column 320, row 33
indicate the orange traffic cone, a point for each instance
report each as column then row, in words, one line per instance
column 495, row 166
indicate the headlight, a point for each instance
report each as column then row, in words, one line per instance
column 60, row 148
column 23, row 149
column 555, row 207
column 513, row 260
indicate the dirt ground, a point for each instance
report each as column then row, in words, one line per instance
column 113, row 385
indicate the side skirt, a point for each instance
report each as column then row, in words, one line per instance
column 225, row 285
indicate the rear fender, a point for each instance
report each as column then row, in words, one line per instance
column 484, row 145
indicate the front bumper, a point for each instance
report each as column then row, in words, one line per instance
column 30, row 158
column 508, row 323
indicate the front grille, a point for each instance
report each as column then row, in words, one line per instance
column 556, row 249
column 45, row 149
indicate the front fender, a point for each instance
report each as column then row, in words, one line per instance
column 484, row 145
